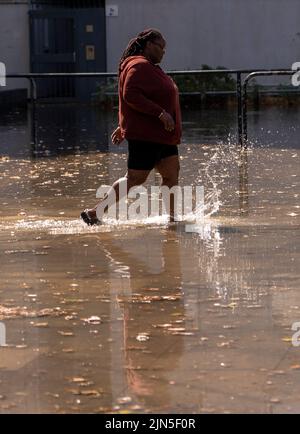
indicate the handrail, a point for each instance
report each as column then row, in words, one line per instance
column 33, row 88
column 115, row 74
column 241, row 90
column 245, row 96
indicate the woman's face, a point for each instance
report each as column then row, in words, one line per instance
column 155, row 50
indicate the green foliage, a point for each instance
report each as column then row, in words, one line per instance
column 205, row 82
column 105, row 89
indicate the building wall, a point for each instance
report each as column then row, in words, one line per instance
column 230, row 33
column 14, row 41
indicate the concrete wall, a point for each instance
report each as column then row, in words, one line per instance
column 14, row 41
column 230, row 33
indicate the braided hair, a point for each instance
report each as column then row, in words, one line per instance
column 137, row 45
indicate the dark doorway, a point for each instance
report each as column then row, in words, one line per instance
column 67, row 39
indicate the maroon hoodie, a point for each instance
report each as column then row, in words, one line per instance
column 144, row 92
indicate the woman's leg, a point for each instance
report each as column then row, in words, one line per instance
column 132, row 178
column 169, row 170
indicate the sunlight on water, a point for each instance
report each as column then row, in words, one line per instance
column 146, row 315
column 212, row 204
column 77, row 226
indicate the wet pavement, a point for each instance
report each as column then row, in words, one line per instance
column 145, row 317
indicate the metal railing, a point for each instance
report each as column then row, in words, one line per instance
column 241, row 89
column 249, row 77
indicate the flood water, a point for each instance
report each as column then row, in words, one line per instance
column 149, row 317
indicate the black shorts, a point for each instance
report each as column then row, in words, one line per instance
column 144, row 155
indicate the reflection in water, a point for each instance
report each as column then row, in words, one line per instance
column 144, row 317
column 148, row 291
column 243, row 182
column 48, row 129
column 34, row 127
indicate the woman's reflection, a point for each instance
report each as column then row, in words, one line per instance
column 151, row 301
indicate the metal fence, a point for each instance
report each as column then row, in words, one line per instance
column 241, row 87
column 247, row 80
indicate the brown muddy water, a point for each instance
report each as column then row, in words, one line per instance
column 147, row 317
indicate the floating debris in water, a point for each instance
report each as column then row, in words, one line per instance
column 77, row 380
column 92, row 320
column 124, row 400
column 162, row 325
column 142, row 337
column 275, row 400
column 41, row 324
column 63, row 333
column 138, row 298
column 93, row 393
column 295, row 367
column 23, row 312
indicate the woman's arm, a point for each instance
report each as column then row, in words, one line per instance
column 136, row 81
column 117, row 137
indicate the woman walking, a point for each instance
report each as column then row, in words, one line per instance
column 149, row 118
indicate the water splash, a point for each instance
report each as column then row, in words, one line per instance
column 218, row 168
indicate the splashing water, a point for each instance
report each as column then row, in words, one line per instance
column 217, row 169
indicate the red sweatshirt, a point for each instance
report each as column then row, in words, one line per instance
column 144, row 92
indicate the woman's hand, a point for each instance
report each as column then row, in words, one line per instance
column 167, row 120
column 117, row 137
